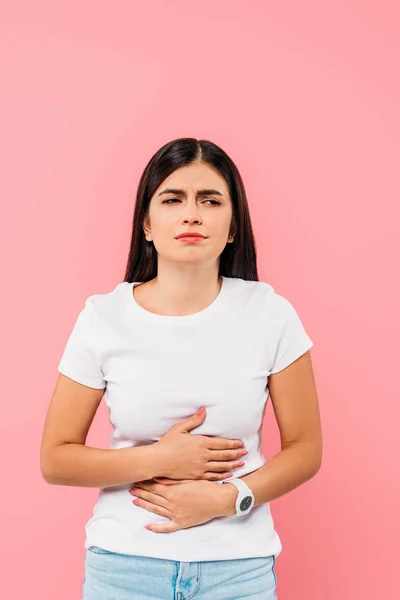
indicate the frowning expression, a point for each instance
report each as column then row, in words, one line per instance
column 194, row 199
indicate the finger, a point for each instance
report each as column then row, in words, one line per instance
column 149, row 496
column 163, row 527
column 168, row 481
column 209, row 476
column 156, row 488
column 221, row 467
column 164, row 480
column 227, row 454
column 154, row 508
column 215, row 443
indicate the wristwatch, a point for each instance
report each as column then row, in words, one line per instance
column 245, row 498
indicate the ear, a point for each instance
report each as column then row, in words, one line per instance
column 233, row 227
column 232, row 234
column 146, row 226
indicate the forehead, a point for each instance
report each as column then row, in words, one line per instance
column 195, row 177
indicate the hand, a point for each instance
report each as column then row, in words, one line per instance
column 181, row 455
column 186, row 503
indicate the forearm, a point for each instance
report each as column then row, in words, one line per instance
column 80, row 465
column 288, row 469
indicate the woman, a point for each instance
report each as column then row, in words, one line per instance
column 189, row 326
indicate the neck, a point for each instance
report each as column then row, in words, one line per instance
column 180, row 294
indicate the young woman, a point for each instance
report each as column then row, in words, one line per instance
column 190, row 326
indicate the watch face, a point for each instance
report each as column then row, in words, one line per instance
column 245, row 503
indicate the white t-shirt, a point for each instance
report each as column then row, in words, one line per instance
column 158, row 370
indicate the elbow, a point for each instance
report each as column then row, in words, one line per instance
column 51, row 477
column 47, row 468
column 46, row 476
column 317, row 458
column 314, row 455
column 46, row 472
column 48, row 464
column 316, row 468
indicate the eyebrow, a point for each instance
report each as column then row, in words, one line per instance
column 183, row 193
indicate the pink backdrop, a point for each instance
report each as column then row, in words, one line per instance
column 305, row 97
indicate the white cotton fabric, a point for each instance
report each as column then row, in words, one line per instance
column 156, row 371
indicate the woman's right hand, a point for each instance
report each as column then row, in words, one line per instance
column 187, row 456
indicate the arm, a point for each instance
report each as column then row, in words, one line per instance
column 80, row 465
column 294, row 397
column 64, row 457
column 288, row 469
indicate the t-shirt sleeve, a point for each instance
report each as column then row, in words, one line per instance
column 81, row 360
column 290, row 339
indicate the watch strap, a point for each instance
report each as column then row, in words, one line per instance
column 243, row 490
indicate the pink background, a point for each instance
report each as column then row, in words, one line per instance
column 305, row 97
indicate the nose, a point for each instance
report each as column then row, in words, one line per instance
column 190, row 213
column 191, row 219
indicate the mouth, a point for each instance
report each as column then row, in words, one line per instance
column 190, row 237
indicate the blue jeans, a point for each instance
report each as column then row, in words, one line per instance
column 114, row 576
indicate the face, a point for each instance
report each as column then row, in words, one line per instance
column 187, row 209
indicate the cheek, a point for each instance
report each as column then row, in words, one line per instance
column 163, row 234
column 164, row 227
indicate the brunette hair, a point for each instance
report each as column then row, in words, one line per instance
column 238, row 259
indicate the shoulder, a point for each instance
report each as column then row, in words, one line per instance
column 256, row 289
column 262, row 302
column 104, row 312
column 276, row 319
column 105, row 304
column 263, row 294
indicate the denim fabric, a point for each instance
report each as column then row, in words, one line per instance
column 114, row 576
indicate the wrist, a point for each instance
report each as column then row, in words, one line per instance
column 156, row 464
column 146, row 461
column 227, row 499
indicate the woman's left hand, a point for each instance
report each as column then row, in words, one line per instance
column 186, row 502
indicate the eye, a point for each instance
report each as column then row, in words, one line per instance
column 215, row 202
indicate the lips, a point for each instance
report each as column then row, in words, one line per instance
column 189, row 234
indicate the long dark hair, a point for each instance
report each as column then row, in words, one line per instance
column 238, row 259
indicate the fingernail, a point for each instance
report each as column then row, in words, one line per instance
column 201, row 409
